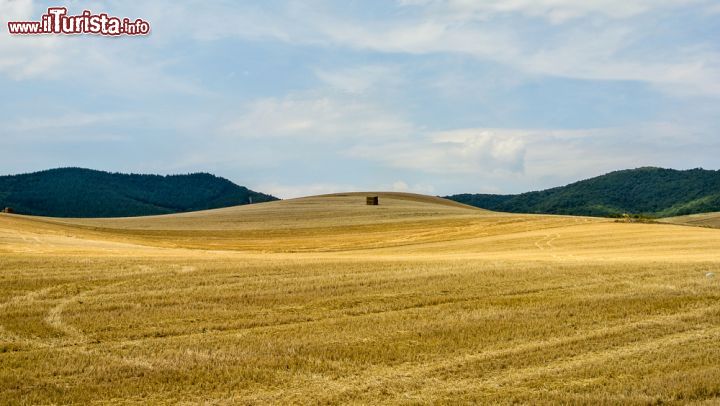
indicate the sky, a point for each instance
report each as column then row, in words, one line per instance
column 306, row 97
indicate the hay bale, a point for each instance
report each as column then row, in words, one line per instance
column 372, row 200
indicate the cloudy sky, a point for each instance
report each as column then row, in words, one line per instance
column 306, row 97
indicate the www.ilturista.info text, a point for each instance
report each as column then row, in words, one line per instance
column 57, row 21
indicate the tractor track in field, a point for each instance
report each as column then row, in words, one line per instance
column 431, row 369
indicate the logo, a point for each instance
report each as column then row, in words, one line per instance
column 57, row 21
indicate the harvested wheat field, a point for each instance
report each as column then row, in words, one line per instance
column 327, row 300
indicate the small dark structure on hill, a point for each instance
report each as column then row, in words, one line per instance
column 372, row 200
column 8, row 210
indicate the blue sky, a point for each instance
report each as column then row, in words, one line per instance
column 431, row 96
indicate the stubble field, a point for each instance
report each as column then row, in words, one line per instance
column 326, row 300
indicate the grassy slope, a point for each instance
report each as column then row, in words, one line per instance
column 325, row 298
column 711, row 220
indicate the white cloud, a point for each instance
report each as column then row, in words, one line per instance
column 597, row 52
column 556, row 157
column 491, row 160
column 616, row 47
column 318, row 118
column 423, row 37
column 358, row 80
column 24, row 57
column 532, row 154
column 461, row 151
column 71, row 120
column 400, row 186
column 554, row 10
column 596, row 56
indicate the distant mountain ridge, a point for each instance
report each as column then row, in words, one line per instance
column 78, row 192
column 648, row 191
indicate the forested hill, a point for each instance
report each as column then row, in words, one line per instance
column 77, row 192
column 653, row 192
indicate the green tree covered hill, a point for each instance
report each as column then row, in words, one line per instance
column 77, row 192
column 653, row 192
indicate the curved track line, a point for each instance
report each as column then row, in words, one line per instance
column 433, row 368
column 54, row 316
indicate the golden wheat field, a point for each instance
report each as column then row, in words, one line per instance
column 325, row 300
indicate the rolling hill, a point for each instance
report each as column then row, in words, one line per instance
column 327, row 300
column 652, row 192
column 77, row 192
column 711, row 220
